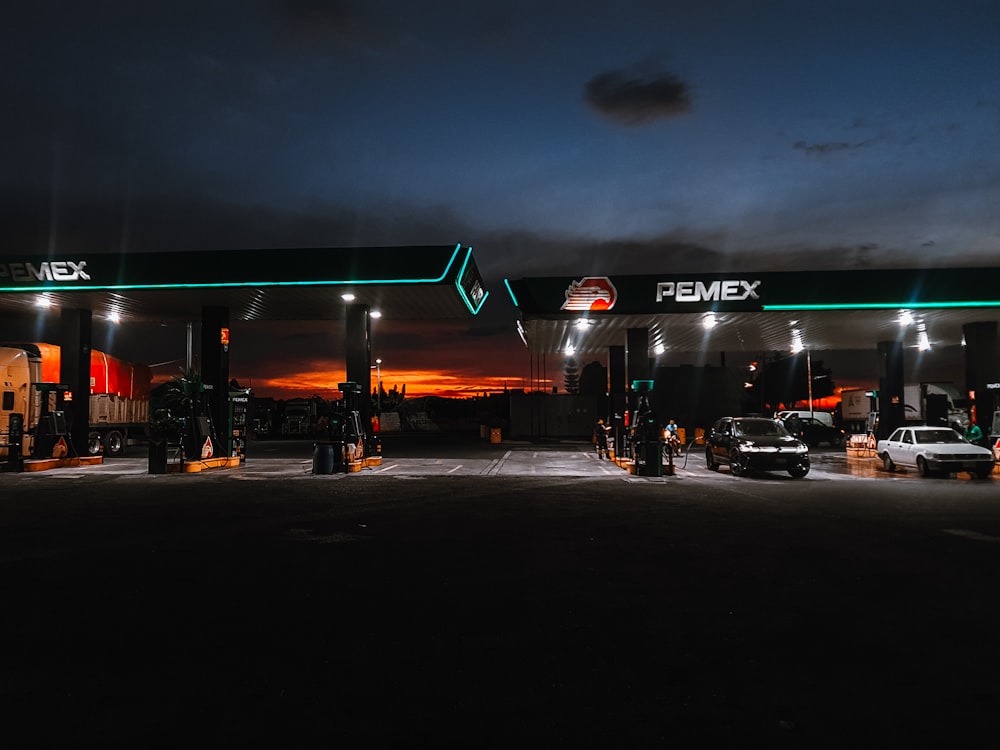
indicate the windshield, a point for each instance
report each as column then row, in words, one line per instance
column 758, row 428
column 937, row 436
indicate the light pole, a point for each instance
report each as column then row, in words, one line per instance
column 378, row 381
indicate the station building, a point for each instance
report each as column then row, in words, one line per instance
column 637, row 320
column 632, row 320
column 209, row 289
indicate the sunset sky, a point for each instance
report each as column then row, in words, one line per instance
column 556, row 138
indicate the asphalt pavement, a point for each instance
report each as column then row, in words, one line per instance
column 532, row 595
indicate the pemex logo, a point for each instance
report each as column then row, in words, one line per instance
column 590, row 293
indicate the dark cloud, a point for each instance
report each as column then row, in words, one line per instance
column 635, row 99
column 35, row 220
column 318, row 23
column 516, row 254
column 333, row 17
column 823, row 149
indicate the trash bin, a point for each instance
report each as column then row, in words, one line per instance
column 157, row 456
column 495, row 436
column 323, row 458
column 650, row 463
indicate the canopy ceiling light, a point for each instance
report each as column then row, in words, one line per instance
column 797, row 345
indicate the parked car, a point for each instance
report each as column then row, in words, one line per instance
column 818, row 416
column 751, row 443
column 813, row 432
column 934, row 450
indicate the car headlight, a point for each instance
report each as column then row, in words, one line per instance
column 801, row 448
column 748, row 447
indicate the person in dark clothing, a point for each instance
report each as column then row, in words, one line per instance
column 601, row 438
column 794, row 425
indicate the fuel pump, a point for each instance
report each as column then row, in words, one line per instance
column 15, row 443
column 354, row 435
column 198, row 436
column 239, row 409
column 52, row 437
column 647, row 437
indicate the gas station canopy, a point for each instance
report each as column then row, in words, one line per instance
column 401, row 282
column 756, row 312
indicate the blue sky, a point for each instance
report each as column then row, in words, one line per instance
column 744, row 129
column 557, row 138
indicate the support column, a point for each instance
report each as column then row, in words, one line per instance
column 891, row 403
column 982, row 374
column 618, row 391
column 637, row 354
column 636, row 364
column 215, row 369
column 358, row 340
column 617, row 383
column 75, row 339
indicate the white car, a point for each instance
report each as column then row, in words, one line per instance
column 934, row 450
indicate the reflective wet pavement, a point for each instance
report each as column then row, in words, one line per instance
column 497, row 596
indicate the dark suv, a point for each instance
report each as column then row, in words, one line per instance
column 813, row 432
column 749, row 443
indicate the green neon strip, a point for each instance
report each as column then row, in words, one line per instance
column 461, row 291
column 236, row 285
column 510, row 291
column 884, row 305
column 468, row 302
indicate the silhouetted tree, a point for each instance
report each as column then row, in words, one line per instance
column 572, row 376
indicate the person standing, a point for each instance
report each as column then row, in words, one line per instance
column 673, row 438
column 601, row 438
column 973, row 433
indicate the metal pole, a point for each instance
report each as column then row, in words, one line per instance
column 809, row 374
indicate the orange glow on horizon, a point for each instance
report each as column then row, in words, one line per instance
column 419, row 383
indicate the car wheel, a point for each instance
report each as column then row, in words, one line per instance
column 887, row 463
column 710, row 460
column 984, row 472
column 735, row 463
column 922, row 469
column 799, row 471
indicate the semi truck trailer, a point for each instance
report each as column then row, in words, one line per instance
column 119, row 396
column 299, row 418
column 857, row 409
column 936, row 403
